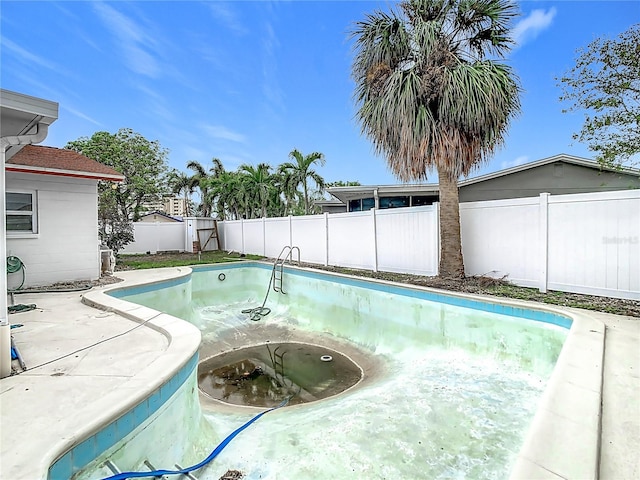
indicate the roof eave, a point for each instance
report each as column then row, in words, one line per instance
column 9, row 167
column 561, row 157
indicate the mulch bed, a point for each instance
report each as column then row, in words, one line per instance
column 501, row 288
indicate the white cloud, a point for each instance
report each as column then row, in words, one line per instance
column 529, row 27
column 79, row 114
column 521, row 160
column 133, row 40
column 223, row 133
column 25, row 56
column 270, row 86
column 192, row 153
column 232, row 161
column 225, row 15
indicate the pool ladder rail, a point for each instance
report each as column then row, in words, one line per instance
column 277, row 363
column 278, row 266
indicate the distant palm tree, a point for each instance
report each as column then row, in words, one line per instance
column 201, row 178
column 226, row 192
column 180, row 183
column 430, row 95
column 258, row 184
column 285, row 195
column 301, row 171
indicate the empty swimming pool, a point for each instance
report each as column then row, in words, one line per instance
column 449, row 389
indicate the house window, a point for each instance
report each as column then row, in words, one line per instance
column 355, row 205
column 21, row 212
column 368, row 203
column 394, row 202
column 361, row 204
column 419, row 200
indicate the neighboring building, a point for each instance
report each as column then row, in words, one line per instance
column 175, row 206
column 560, row 174
column 331, row 206
column 151, row 206
column 52, row 213
column 158, row 217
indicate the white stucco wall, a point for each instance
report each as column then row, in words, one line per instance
column 66, row 245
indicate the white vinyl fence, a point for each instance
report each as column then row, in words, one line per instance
column 398, row 240
column 172, row 237
column 583, row 243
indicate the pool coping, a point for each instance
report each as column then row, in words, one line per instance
column 563, row 440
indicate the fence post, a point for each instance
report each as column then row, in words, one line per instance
column 264, row 238
column 242, row 233
column 326, row 239
column 187, row 225
column 544, row 241
column 291, row 230
column 375, row 240
column 436, row 229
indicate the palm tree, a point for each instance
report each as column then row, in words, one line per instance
column 200, row 179
column 301, row 171
column 226, row 193
column 430, row 97
column 258, row 185
column 286, row 191
column 180, row 183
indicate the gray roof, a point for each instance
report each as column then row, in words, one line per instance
column 344, row 194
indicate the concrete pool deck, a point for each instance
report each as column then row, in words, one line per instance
column 85, row 366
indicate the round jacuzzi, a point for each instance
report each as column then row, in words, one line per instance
column 265, row 375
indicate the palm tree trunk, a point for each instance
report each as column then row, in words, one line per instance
column 451, row 263
column 306, row 198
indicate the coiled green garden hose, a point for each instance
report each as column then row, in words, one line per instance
column 14, row 265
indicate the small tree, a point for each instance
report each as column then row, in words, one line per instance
column 142, row 162
column 606, row 83
column 115, row 230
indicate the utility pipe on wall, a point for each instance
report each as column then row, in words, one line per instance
column 5, row 329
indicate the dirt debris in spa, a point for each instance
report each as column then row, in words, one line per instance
column 268, row 374
column 232, row 475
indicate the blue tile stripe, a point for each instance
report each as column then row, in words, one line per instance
column 497, row 308
column 85, row 452
column 148, row 287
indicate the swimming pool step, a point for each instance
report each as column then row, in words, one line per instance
column 152, row 468
column 186, row 475
column 114, row 468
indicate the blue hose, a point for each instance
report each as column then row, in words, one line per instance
column 212, row 455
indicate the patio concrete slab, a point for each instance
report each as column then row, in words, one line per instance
column 85, row 367
column 620, row 448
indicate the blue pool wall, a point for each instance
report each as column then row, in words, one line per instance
column 81, row 455
column 365, row 312
column 185, row 284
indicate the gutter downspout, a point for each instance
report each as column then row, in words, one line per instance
column 5, row 329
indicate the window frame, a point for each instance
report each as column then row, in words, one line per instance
column 33, row 212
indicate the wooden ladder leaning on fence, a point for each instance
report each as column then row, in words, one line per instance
column 212, row 235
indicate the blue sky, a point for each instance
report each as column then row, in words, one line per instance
column 248, row 81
